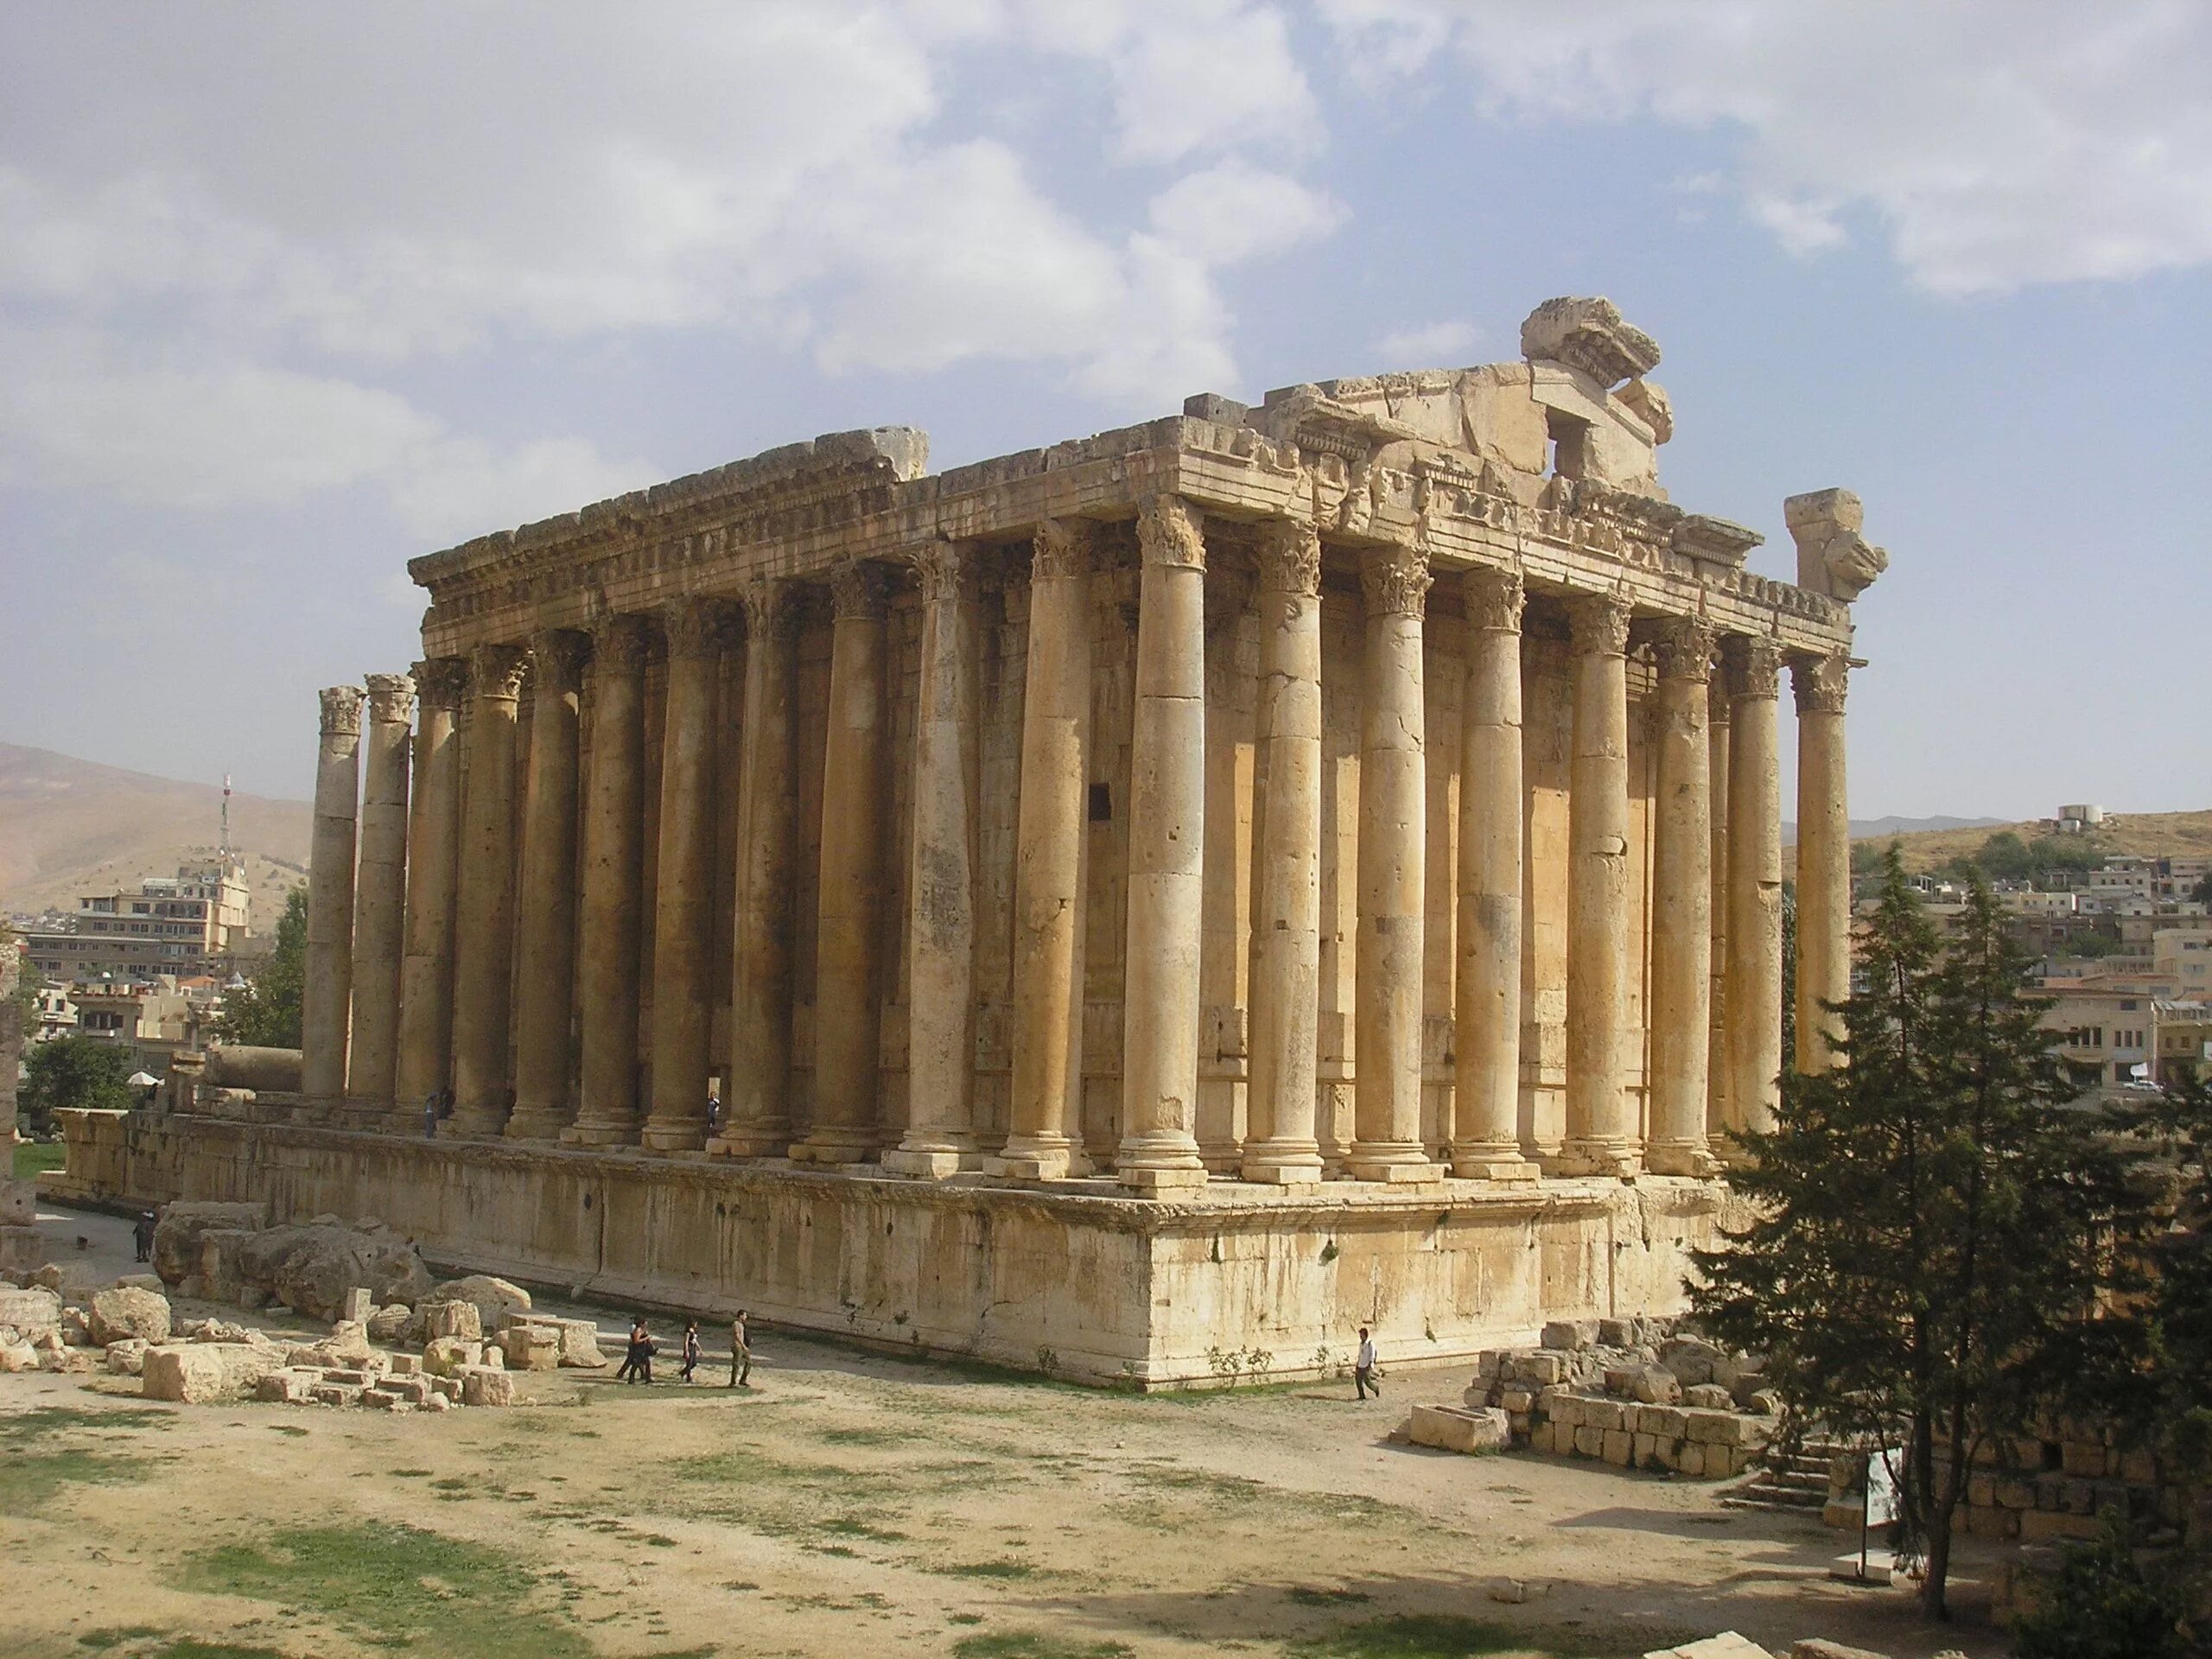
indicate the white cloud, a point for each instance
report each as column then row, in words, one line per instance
column 1996, row 144
column 1431, row 345
column 1233, row 212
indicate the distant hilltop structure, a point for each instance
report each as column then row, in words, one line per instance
column 2081, row 819
column 177, row 925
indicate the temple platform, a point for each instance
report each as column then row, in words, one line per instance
column 1076, row 1280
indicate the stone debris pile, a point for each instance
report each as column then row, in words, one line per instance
column 1633, row 1392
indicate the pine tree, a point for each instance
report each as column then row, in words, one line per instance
column 265, row 1012
column 1935, row 1217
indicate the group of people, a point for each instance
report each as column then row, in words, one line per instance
column 638, row 1356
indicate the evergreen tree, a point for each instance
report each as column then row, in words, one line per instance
column 265, row 1011
column 1935, row 1217
column 71, row 1073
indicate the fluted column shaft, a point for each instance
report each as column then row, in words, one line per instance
column 1167, row 879
column 1823, row 857
column 1387, row 1142
column 425, row 1065
column 614, row 890
column 1681, row 903
column 484, row 947
column 1286, row 945
column 684, row 924
column 1601, row 1133
column 1754, row 988
column 326, row 989
column 1486, row 1000
column 380, row 897
column 1717, row 1114
column 941, row 876
column 757, row 1122
column 1045, row 1112
column 545, row 958
column 847, row 1019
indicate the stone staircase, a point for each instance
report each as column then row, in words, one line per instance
column 1797, row 1484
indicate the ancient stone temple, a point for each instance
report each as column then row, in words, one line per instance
column 1196, row 887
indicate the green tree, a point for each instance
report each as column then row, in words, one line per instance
column 2004, row 858
column 265, row 1011
column 2102, row 1604
column 71, row 1073
column 2202, row 891
column 26, row 981
column 1934, row 1219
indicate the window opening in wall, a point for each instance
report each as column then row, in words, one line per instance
column 1569, row 448
column 1102, row 803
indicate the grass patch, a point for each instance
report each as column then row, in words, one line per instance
column 1438, row 1636
column 989, row 1570
column 866, row 1436
column 27, row 1428
column 35, row 1158
column 395, row 1586
column 116, row 1635
column 846, row 1527
column 191, row 1646
column 34, row 1467
column 1306, row 1596
column 1033, row 1645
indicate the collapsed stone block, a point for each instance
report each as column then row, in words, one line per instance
column 177, row 1235
column 116, row 1315
column 1815, row 1648
column 289, row 1386
column 18, row 1356
column 494, row 1298
column 406, row 1366
column 310, row 1267
column 1656, row 1385
column 531, row 1348
column 1455, row 1428
column 1709, row 1397
column 195, row 1373
column 28, row 1312
column 1570, row 1336
column 452, row 1319
column 337, row 1393
column 356, row 1305
column 443, row 1356
column 127, row 1358
column 1726, row 1645
column 349, row 1339
column 580, row 1348
column 482, row 1387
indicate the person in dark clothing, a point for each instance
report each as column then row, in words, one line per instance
column 690, row 1348
column 741, row 1353
column 637, row 1358
column 141, row 1236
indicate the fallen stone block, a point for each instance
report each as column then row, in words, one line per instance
column 531, row 1348
column 1456, row 1428
column 127, row 1358
column 481, row 1386
column 382, row 1399
column 1570, row 1335
column 29, row 1312
column 414, row 1389
column 444, row 1356
column 337, row 1393
column 1657, row 1386
column 492, row 1356
column 1617, row 1333
column 195, row 1373
column 177, row 1235
column 288, row 1387
column 406, row 1364
column 76, row 1328
column 389, row 1324
column 459, row 1319
column 580, row 1348
column 356, row 1305
column 436, row 1402
column 1709, row 1396
column 116, row 1314
column 446, row 1388
column 349, row 1339
column 16, row 1356
column 72, row 1282
column 1715, row 1427
column 1813, row 1647
column 494, row 1298
column 1726, row 1645
column 310, row 1267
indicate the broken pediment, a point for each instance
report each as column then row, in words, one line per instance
column 1588, row 335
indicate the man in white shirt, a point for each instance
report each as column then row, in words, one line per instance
column 1362, row 1368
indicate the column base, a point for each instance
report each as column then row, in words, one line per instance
column 1283, row 1163
column 1148, row 1179
column 833, row 1149
column 597, row 1136
column 1615, row 1158
column 480, row 1123
column 674, row 1137
column 1683, row 1158
column 1039, row 1157
column 1488, row 1164
column 1399, row 1164
column 532, row 1123
column 928, row 1165
column 751, row 1141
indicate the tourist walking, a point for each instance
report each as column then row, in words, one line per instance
column 741, row 1353
column 1362, row 1368
column 637, row 1358
column 690, row 1348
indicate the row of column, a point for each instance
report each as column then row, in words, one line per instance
column 442, row 895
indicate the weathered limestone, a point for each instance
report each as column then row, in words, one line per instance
column 683, row 929
column 941, row 876
column 1682, row 900
column 1485, row 1134
column 1045, row 1141
column 326, row 984
column 614, row 890
column 847, row 1035
column 433, row 851
column 1823, row 856
column 546, row 913
column 1159, row 1053
column 1717, row 1117
column 1601, row 1137
column 1286, row 945
column 1393, row 805
column 1754, row 1028
column 380, row 898
column 485, row 911
column 757, row 1104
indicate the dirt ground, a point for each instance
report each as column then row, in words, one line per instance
column 852, row 1503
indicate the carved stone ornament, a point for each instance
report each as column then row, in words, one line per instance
column 1754, row 666
column 1833, row 557
column 1648, row 399
column 1819, row 683
column 1395, row 582
column 1168, row 532
column 556, row 659
column 341, row 710
column 1589, row 334
column 772, row 608
column 940, row 567
column 1061, row 548
column 441, row 682
column 1289, row 555
column 619, row 644
column 1685, row 647
column 495, row 672
column 1494, row 598
column 391, row 698
column 694, row 628
column 1598, row 626
column 858, row 591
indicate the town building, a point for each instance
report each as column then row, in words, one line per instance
column 179, row 926
column 152, row 1023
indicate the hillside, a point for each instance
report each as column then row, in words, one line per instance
column 69, row 826
column 2149, row 835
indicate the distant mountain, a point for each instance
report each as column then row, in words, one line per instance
column 1870, row 829
column 70, row 827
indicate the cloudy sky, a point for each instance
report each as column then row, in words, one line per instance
column 291, row 293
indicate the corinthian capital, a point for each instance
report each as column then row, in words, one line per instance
column 694, row 628
column 1395, row 582
column 556, row 659
column 1289, row 557
column 495, row 672
column 1685, row 646
column 1819, row 683
column 1493, row 598
column 858, row 590
column 1061, row 547
column 1169, row 532
column 1598, row 626
column 770, row 608
column 1754, row 665
column 617, row 643
column 940, row 567
column 391, row 698
column 341, row 710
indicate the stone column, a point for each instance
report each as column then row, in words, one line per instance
column 1487, row 1002
column 757, row 1102
column 1754, row 1028
column 380, row 899
column 484, row 948
column 1823, row 857
column 1717, row 1116
column 1045, row 1141
column 941, row 876
column 426, row 978
column 1167, row 879
column 613, row 920
column 1681, row 903
column 847, row 1019
column 545, row 956
column 1601, row 1134
column 327, row 984
column 683, row 922
column 1285, row 979
column 1393, row 851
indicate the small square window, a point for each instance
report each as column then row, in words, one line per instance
column 1102, row 803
